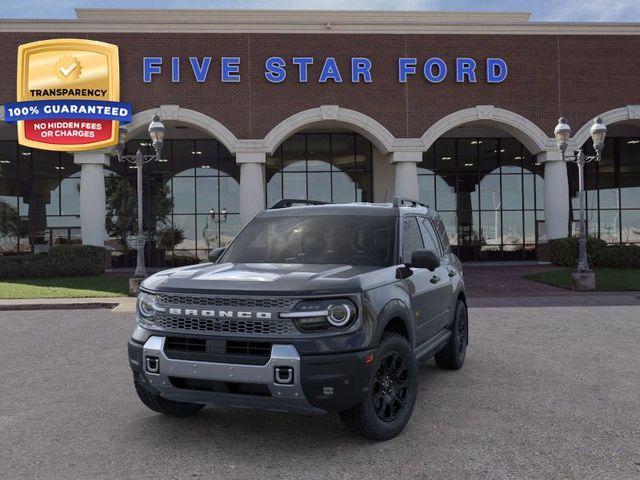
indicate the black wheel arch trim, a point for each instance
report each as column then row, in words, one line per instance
column 395, row 309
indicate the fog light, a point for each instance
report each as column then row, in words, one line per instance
column 152, row 364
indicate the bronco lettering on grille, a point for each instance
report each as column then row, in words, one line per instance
column 192, row 312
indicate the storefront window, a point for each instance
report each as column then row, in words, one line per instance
column 488, row 192
column 328, row 167
column 612, row 192
column 193, row 190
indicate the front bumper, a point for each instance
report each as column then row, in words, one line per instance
column 320, row 383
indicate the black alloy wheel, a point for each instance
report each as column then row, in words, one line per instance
column 390, row 387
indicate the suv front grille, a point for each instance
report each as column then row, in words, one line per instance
column 206, row 301
column 225, row 326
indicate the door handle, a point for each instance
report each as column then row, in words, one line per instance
column 434, row 279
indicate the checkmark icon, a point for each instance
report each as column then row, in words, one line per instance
column 66, row 71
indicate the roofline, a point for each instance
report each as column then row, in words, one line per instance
column 310, row 21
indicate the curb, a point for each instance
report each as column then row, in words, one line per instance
column 57, row 306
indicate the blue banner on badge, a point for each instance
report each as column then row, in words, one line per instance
column 67, row 109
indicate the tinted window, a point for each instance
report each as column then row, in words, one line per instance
column 429, row 236
column 442, row 234
column 319, row 239
column 411, row 238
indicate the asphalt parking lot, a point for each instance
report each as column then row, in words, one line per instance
column 550, row 392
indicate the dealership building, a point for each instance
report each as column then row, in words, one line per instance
column 456, row 109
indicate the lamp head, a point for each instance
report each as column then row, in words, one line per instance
column 156, row 133
column 562, row 133
column 598, row 133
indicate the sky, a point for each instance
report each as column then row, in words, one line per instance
column 542, row 10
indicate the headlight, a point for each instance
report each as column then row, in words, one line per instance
column 147, row 304
column 314, row 315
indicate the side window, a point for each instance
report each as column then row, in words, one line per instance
column 429, row 235
column 442, row 234
column 411, row 238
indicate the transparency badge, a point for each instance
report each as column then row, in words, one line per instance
column 68, row 95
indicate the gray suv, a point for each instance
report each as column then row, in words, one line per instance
column 312, row 309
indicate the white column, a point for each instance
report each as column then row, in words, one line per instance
column 252, row 193
column 556, row 194
column 93, row 208
column 406, row 170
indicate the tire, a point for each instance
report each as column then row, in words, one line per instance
column 395, row 373
column 162, row 405
column 451, row 357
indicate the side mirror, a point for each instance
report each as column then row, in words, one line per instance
column 215, row 254
column 425, row 259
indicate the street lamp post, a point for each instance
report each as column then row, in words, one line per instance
column 156, row 133
column 598, row 132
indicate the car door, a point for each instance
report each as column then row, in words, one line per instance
column 420, row 288
column 440, row 278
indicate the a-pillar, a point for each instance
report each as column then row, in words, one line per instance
column 252, row 193
column 406, row 173
column 92, row 195
column 556, row 194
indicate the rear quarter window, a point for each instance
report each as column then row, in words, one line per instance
column 442, row 234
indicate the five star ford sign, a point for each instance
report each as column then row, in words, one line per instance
column 68, row 95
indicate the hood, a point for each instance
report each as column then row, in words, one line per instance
column 281, row 279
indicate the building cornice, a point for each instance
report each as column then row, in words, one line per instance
column 318, row 22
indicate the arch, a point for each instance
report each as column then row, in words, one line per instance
column 373, row 130
column 141, row 120
column 527, row 132
column 622, row 114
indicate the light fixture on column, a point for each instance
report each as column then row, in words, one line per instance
column 156, row 133
column 583, row 278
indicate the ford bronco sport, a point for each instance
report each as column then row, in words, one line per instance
column 311, row 309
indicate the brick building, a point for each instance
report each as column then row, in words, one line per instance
column 457, row 109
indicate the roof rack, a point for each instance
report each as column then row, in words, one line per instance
column 408, row 202
column 292, row 202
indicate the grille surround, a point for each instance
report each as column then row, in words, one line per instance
column 217, row 301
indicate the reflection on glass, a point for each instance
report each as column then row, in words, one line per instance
column 631, row 226
column 329, row 167
column 70, row 196
column 294, row 185
column 490, row 198
column 445, row 195
column 187, row 223
column 207, row 194
column 343, row 188
column 426, row 189
column 512, row 192
column 183, row 195
column 319, row 186
column 610, row 226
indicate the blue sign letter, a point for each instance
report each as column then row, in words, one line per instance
column 230, row 70
column 275, row 69
column 200, row 71
column 360, row 66
column 496, row 70
column 151, row 66
column 330, row 71
column 465, row 67
column 303, row 64
column 175, row 69
column 428, row 70
column 406, row 66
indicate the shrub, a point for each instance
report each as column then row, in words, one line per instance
column 564, row 252
column 61, row 261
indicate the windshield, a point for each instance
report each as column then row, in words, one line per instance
column 320, row 239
